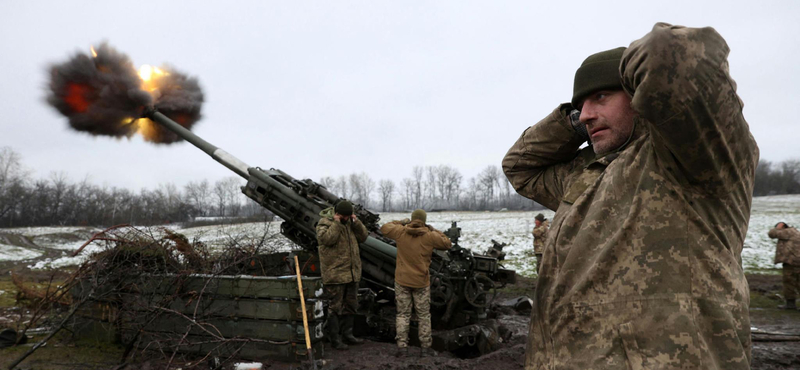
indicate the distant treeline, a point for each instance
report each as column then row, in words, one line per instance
column 432, row 188
column 25, row 201
column 56, row 201
column 777, row 178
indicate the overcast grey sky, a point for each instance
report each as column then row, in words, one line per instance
column 328, row 88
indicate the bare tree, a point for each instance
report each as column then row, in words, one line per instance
column 790, row 176
column 356, row 190
column 416, row 175
column 368, row 188
column 59, row 188
column 228, row 196
column 448, row 181
column 342, row 188
column 453, row 186
column 442, row 172
column 10, row 166
column 361, row 186
column 407, row 192
column 430, row 185
column 473, row 191
column 386, row 189
column 329, row 183
column 198, row 195
column 489, row 180
column 220, row 196
column 13, row 180
column 233, row 191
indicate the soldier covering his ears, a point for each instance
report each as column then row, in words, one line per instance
column 338, row 233
column 787, row 252
column 416, row 241
column 642, row 269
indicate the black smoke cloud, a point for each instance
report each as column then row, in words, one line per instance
column 103, row 95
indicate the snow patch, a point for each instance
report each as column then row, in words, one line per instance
column 44, row 230
column 15, row 253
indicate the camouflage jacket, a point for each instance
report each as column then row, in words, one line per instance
column 642, row 266
column 338, row 248
column 539, row 236
column 788, row 250
column 415, row 244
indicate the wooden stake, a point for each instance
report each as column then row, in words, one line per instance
column 305, row 315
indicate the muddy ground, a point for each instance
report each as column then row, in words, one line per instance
column 68, row 353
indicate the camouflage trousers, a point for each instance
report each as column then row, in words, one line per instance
column 421, row 300
column 343, row 298
column 791, row 282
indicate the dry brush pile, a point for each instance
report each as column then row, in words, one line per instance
column 144, row 279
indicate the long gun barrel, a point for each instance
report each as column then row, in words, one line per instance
column 219, row 155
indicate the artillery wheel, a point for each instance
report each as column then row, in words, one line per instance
column 480, row 291
column 441, row 291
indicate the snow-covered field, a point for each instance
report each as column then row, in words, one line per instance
column 29, row 245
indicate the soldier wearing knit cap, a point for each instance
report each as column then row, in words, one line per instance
column 642, row 269
column 415, row 244
column 338, row 233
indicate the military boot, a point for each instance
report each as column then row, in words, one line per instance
column 788, row 306
column 333, row 332
column 347, row 329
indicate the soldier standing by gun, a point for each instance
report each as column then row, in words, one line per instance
column 788, row 253
column 539, row 235
column 338, row 233
column 643, row 269
column 415, row 244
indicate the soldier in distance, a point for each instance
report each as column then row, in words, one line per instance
column 788, row 253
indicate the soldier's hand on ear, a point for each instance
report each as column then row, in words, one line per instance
column 580, row 127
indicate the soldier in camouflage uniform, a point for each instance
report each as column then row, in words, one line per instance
column 338, row 233
column 415, row 244
column 788, row 253
column 642, row 268
column 539, row 235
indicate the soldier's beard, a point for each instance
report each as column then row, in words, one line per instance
column 344, row 221
column 614, row 136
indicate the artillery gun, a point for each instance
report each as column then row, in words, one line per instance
column 463, row 284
